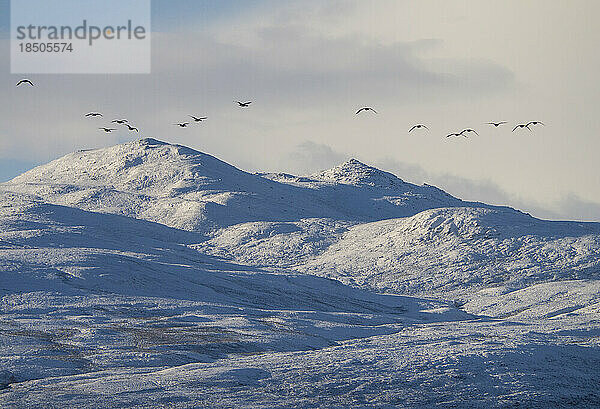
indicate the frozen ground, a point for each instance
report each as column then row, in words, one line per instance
column 152, row 275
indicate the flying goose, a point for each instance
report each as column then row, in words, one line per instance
column 25, row 81
column 365, row 109
column 419, row 126
column 198, row 119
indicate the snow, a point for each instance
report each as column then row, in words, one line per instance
column 454, row 252
column 152, row 275
column 187, row 189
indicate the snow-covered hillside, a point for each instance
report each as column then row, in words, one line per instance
column 453, row 252
column 449, row 252
column 187, row 189
column 149, row 275
column 74, row 281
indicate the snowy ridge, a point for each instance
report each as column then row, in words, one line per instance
column 449, row 252
column 187, row 189
column 455, row 252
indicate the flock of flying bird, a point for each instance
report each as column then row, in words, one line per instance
column 464, row 132
column 132, row 128
column 125, row 122
column 246, row 104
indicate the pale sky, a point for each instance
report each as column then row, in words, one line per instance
column 309, row 65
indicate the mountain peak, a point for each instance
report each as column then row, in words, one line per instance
column 152, row 141
column 354, row 162
column 355, row 172
column 145, row 164
column 173, row 148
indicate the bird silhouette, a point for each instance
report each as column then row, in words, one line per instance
column 243, row 104
column 25, row 81
column 464, row 131
column 535, row 123
column 200, row 119
column 132, row 128
column 93, row 114
column 182, row 124
column 419, row 126
column 120, row 121
column 456, row 134
column 365, row 109
column 522, row 126
column 107, row 130
column 497, row 124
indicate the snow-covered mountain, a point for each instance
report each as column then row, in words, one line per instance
column 187, row 189
column 453, row 252
column 450, row 252
column 151, row 274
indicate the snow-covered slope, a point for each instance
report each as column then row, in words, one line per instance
column 150, row 275
column 449, row 252
column 454, row 252
column 187, row 189
column 98, row 291
column 355, row 223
